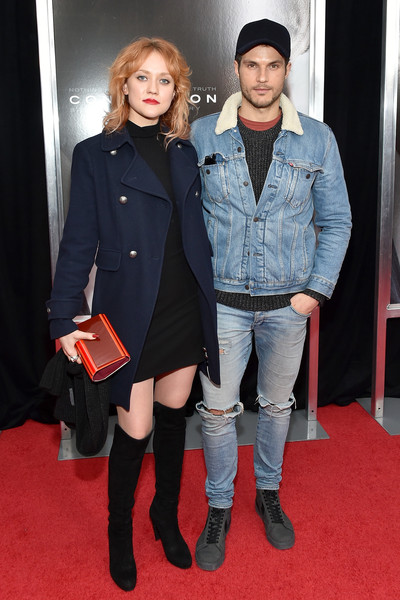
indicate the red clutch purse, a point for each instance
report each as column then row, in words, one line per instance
column 103, row 356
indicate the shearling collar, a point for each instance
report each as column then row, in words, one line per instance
column 228, row 117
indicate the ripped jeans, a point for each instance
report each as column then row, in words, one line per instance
column 279, row 340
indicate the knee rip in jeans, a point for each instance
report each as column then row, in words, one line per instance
column 276, row 409
column 237, row 410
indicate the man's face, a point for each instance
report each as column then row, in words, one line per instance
column 262, row 73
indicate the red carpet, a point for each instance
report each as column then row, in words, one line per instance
column 342, row 495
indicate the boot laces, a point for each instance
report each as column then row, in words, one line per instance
column 215, row 523
column 273, row 505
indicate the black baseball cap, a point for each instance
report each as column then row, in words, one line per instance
column 265, row 32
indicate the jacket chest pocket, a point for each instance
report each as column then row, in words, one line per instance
column 301, row 177
column 214, row 170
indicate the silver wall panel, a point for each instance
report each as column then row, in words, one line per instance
column 387, row 298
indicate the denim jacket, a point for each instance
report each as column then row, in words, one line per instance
column 297, row 234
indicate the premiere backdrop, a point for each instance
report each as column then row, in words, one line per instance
column 352, row 100
column 88, row 36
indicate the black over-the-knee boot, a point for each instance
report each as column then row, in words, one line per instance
column 168, row 447
column 124, row 466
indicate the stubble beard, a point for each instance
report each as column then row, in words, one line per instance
column 261, row 102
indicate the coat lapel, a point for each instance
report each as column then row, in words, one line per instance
column 140, row 176
column 184, row 168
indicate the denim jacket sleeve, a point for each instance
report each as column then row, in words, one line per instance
column 332, row 217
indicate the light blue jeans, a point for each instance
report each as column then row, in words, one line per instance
column 279, row 340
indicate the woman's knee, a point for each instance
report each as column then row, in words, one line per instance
column 136, row 429
column 138, row 420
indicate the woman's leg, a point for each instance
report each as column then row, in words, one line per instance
column 138, row 420
column 131, row 437
column 171, row 393
column 173, row 389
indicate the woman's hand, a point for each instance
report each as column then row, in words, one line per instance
column 68, row 342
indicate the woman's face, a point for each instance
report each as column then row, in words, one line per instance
column 150, row 91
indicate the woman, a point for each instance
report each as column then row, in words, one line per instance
column 135, row 209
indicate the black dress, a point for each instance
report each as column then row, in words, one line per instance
column 174, row 339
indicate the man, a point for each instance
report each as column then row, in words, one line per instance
column 271, row 178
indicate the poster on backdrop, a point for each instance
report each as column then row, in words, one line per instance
column 88, row 35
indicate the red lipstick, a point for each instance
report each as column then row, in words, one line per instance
column 151, row 101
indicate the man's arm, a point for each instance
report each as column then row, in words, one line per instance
column 332, row 216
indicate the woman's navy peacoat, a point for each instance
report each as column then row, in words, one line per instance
column 118, row 217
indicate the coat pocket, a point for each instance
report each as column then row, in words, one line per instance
column 108, row 260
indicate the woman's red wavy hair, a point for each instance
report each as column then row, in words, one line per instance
column 176, row 120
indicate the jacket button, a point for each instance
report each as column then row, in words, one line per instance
column 308, row 176
column 245, row 183
column 49, row 310
column 239, row 149
column 179, row 145
column 246, row 287
column 133, row 254
column 208, row 171
column 113, row 152
column 122, row 199
column 255, row 219
column 196, row 193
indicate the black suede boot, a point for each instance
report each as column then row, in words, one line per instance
column 124, row 466
column 168, row 447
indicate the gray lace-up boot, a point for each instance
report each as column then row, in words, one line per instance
column 210, row 547
column 278, row 528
